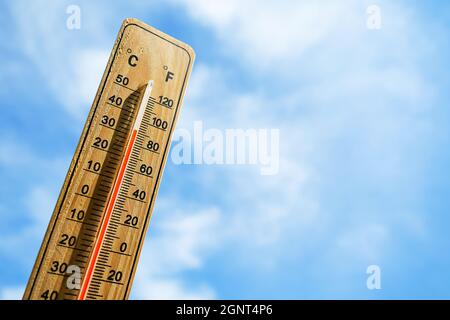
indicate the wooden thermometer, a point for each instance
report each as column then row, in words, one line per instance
column 94, row 238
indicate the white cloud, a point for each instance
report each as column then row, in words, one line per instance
column 87, row 69
column 12, row 293
column 16, row 154
column 348, row 102
column 72, row 61
column 179, row 241
column 22, row 247
column 271, row 31
column 36, row 196
column 40, row 203
column 161, row 288
column 366, row 242
column 17, row 245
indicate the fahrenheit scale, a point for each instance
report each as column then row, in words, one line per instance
column 94, row 238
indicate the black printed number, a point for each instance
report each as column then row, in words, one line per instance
column 122, row 79
column 85, row 189
column 139, row 194
column 95, row 166
column 101, row 143
column 166, row 101
column 115, row 100
column 115, row 275
column 153, row 146
column 109, row 121
column 144, row 169
column 79, row 215
column 49, row 295
column 131, row 220
column 157, row 122
column 68, row 240
column 59, row 267
column 123, row 247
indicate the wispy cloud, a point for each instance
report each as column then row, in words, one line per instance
column 349, row 104
column 72, row 71
column 179, row 242
column 12, row 293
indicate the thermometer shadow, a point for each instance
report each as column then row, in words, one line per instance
column 102, row 191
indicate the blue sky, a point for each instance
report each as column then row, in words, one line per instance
column 364, row 134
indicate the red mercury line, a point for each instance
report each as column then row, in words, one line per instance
column 112, row 201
